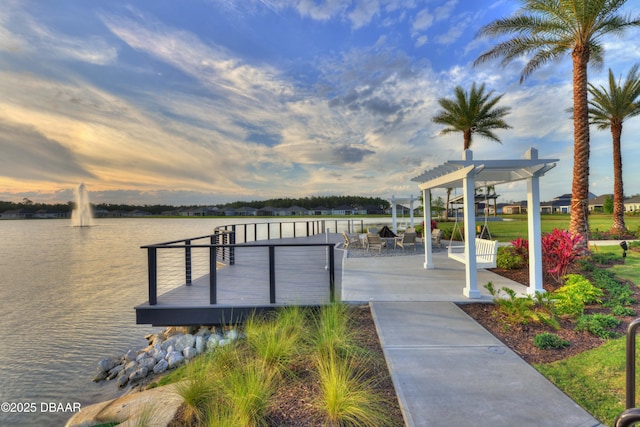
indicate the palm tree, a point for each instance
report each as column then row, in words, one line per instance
column 609, row 107
column 546, row 30
column 475, row 112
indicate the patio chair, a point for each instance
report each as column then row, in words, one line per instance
column 375, row 242
column 350, row 240
column 408, row 239
column 372, row 230
column 436, row 237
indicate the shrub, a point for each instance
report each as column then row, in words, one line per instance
column 508, row 259
column 600, row 325
column 571, row 298
column 559, row 250
column 521, row 310
column 618, row 293
column 521, row 248
column 621, row 311
column 547, row 340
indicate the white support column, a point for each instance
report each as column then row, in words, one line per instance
column 534, row 228
column 426, row 233
column 394, row 226
column 471, row 272
column 411, row 199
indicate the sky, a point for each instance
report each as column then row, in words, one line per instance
column 202, row 102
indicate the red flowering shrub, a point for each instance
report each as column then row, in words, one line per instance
column 559, row 250
column 521, row 249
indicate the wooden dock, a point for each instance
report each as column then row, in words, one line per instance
column 301, row 275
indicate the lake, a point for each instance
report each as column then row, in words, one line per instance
column 67, row 296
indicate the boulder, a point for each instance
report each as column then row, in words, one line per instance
column 100, row 375
column 174, row 359
column 170, row 342
column 189, row 353
column 115, row 371
column 130, row 355
column 138, row 374
column 160, row 367
column 200, row 343
column 108, row 363
column 122, row 381
column 147, row 362
column 185, row 341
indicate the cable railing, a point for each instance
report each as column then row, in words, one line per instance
column 181, row 262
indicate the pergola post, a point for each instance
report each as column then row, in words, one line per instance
column 411, row 199
column 534, row 230
column 470, row 270
column 394, row 226
column 426, row 234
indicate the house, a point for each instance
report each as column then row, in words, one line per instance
column 596, row 205
column 513, row 208
column 49, row 213
column 342, row 210
column 246, row 211
column 560, row 204
column 17, row 214
column 371, row 210
column 267, row 211
column 320, row 210
column 632, row 204
column 297, row 210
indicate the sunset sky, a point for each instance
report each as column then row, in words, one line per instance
column 212, row 101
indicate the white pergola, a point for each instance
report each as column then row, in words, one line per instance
column 466, row 173
column 394, row 215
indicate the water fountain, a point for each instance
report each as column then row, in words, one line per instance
column 82, row 215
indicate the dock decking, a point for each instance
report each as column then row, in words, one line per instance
column 301, row 275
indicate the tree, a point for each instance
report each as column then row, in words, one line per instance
column 546, row 30
column 608, row 108
column 607, row 206
column 472, row 113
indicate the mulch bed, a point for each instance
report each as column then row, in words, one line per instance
column 520, row 337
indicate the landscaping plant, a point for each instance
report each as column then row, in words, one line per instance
column 547, row 340
column 571, row 298
column 560, row 248
column 508, row 259
column 600, row 325
column 521, row 310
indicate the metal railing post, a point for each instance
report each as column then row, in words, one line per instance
column 631, row 363
column 332, row 277
column 153, row 276
column 213, row 278
column 187, row 261
column 232, row 249
column 272, row 274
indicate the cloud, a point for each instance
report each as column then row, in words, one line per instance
column 21, row 33
column 346, row 154
column 422, row 21
column 29, row 155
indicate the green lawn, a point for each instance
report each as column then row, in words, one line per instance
column 596, row 379
column 514, row 226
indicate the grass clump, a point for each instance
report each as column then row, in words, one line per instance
column 238, row 384
column 346, row 396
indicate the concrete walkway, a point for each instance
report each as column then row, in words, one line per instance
column 447, row 369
